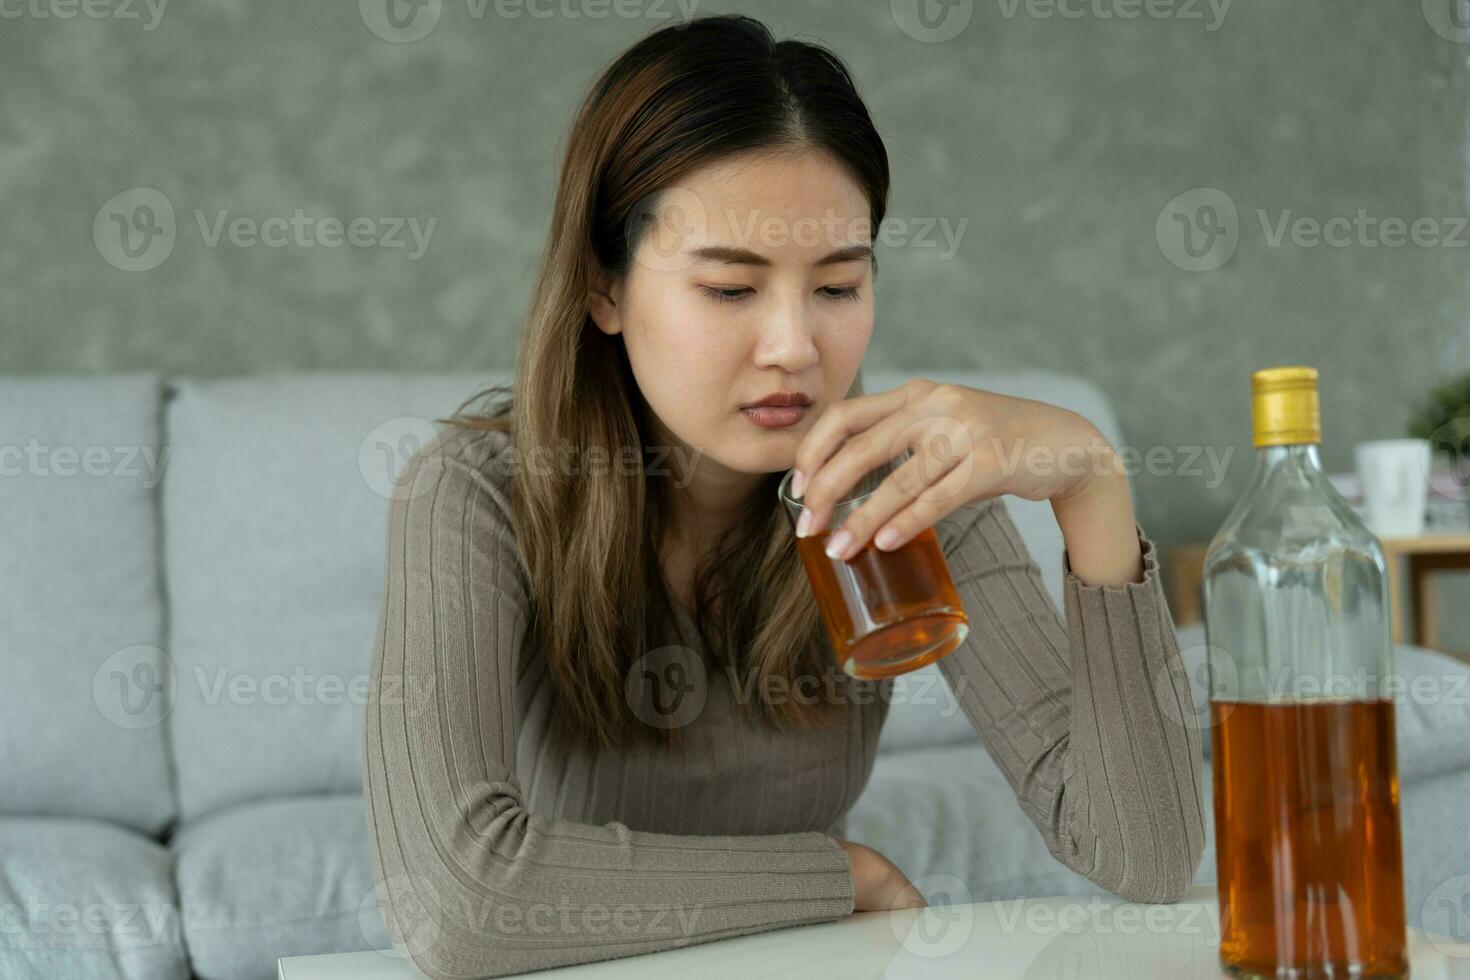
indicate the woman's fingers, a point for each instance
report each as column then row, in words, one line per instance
column 840, row 422
column 936, row 479
column 881, row 442
column 951, row 491
column 895, row 494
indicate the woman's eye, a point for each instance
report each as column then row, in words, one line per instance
column 733, row 294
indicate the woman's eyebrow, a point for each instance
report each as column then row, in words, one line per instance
column 731, row 255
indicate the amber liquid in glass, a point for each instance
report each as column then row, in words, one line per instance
column 1307, row 839
column 887, row 612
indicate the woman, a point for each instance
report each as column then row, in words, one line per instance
column 531, row 802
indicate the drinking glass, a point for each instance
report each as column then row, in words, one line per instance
column 886, row 612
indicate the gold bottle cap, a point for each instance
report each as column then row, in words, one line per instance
column 1284, row 407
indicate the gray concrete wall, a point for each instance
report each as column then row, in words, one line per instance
column 1060, row 139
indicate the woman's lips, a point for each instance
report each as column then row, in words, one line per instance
column 768, row 417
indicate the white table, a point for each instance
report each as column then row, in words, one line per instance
column 1095, row 937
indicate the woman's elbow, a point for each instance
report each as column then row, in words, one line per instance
column 1170, row 871
column 432, row 921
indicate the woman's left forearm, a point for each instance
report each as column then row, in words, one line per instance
column 1100, row 531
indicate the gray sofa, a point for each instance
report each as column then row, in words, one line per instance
column 188, row 595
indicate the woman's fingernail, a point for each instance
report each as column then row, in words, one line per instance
column 838, row 544
column 887, row 538
column 798, row 484
column 804, row 523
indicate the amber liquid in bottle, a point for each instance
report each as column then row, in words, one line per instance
column 1307, row 846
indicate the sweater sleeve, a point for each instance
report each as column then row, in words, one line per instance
column 471, row 882
column 1091, row 721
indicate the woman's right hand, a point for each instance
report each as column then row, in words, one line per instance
column 877, row 883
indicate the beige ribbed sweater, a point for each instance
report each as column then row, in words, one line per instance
column 498, row 849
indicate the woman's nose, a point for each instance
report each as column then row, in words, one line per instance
column 786, row 341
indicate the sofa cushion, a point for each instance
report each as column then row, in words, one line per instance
column 288, row 877
column 82, row 898
column 1432, row 714
column 275, row 517
column 81, row 615
column 946, row 812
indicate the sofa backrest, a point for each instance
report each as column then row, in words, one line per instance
column 272, row 515
column 84, row 694
column 275, row 511
column 275, row 517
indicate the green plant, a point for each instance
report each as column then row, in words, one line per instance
column 1444, row 417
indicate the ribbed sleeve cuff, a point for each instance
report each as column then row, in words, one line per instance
column 1098, row 597
column 812, row 883
column 832, row 882
column 747, row 881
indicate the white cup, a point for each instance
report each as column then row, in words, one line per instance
column 1394, row 474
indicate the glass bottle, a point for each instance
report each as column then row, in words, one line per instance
column 1305, row 774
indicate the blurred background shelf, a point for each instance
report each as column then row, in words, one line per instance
column 1412, row 563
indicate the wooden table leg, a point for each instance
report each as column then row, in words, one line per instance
column 1421, row 585
column 1421, row 591
column 1395, row 595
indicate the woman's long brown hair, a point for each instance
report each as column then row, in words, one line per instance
column 681, row 98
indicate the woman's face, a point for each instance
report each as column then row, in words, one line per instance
column 755, row 278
